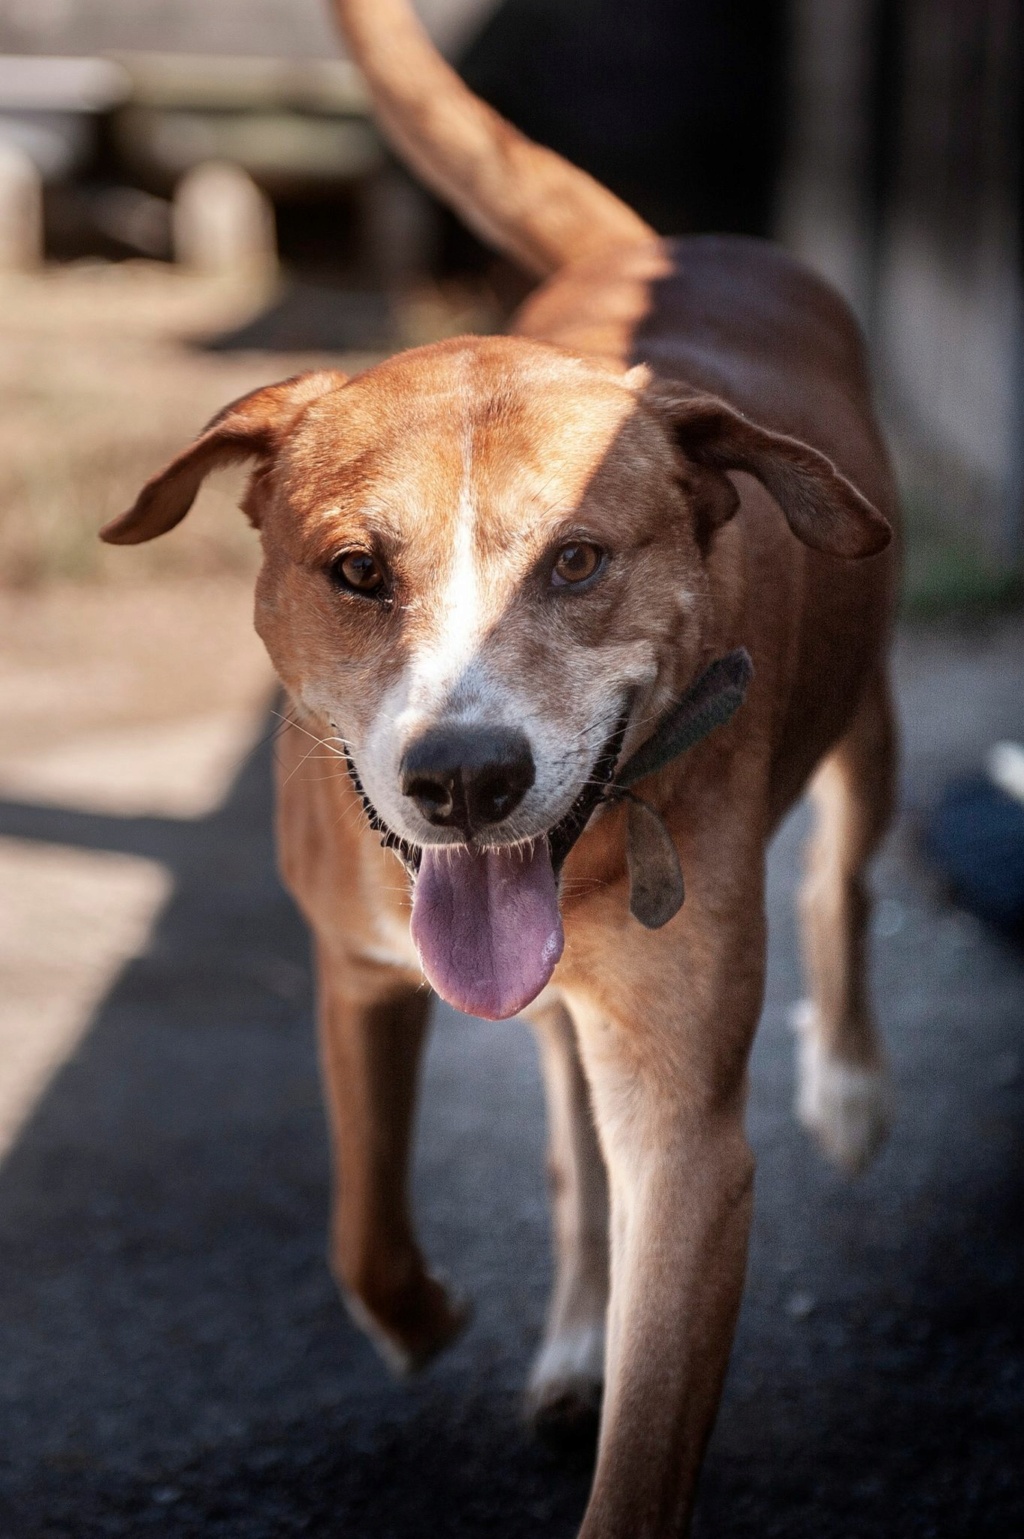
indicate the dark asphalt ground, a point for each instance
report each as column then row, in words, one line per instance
column 173, row 1358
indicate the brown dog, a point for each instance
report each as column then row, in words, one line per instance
column 493, row 568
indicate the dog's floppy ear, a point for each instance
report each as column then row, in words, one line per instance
column 823, row 508
column 250, row 428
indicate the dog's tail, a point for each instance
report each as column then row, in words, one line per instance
column 521, row 198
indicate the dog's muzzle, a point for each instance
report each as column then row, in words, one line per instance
column 472, row 780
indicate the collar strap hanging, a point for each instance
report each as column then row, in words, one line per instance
column 656, row 889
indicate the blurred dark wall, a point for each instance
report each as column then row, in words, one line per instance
column 880, row 139
column 678, row 105
column 949, row 298
column 904, row 186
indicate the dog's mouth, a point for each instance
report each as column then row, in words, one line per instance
column 485, row 918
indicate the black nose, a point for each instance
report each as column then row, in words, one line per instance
column 467, row 777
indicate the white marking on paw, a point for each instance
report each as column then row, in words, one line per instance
column 570, row 1365
column 847, row 1108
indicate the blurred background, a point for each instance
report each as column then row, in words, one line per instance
column 194, row 201
column 880, row 139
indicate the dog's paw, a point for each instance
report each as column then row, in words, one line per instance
column 424, row 1324
column 563, row 1400
column 846, row 1108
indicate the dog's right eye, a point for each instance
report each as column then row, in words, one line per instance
column 358, row 572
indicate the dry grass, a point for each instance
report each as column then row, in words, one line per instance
column 100, row 383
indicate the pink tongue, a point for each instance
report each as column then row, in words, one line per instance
column 486, row 925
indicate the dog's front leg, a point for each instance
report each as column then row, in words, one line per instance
column 372, row 1029
column 668, row 1080
column 564, row 1396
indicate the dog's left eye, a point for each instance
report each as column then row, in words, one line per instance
column 575, row 563
column 359, row 572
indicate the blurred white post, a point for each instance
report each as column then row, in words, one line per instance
column 223, row 224
column 21, row 211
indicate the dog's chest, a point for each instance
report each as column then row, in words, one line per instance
column 388, row 940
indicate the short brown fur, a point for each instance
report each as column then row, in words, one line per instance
column 701, row 410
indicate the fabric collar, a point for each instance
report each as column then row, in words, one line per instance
column 707, row 704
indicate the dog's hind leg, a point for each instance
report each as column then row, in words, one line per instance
column 372, row 1030
column 564, row 1394
column 842, row 1094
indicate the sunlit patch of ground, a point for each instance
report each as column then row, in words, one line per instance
column 69, row 920
column 129, row 701
column 101, row 381
column 131, row 682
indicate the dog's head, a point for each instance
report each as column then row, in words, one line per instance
column 484, row 564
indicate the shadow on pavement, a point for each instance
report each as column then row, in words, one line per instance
column 174, row 1358
column 172, row 1350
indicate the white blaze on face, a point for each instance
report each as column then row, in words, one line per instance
column 459, row 674
column 446, row 679
column 442, row 667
